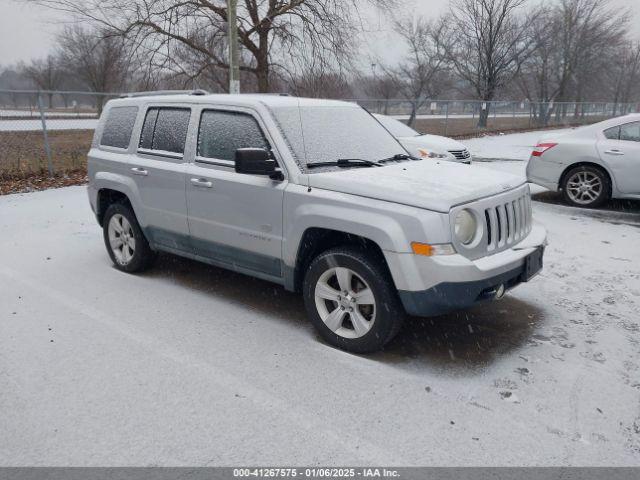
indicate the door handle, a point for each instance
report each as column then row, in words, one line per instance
column 614, row 151
column 139, row 171
column 201, row 182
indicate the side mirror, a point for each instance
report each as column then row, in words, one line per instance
column 254, row 161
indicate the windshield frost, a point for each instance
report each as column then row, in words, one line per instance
column 328, row 133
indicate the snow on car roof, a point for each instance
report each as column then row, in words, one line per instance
column 244, row 99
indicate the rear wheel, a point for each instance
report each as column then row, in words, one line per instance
column 351, row 300
column 586, row 186
column 125, row 242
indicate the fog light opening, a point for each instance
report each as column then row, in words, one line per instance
column 500, row 292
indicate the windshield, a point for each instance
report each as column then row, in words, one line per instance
column 329, row 133
column 396, row 127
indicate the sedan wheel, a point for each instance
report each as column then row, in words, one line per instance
column 586, row 186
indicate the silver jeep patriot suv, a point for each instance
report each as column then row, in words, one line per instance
column 315, row 195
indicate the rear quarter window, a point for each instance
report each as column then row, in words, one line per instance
column 118, row 127
column 612, row 133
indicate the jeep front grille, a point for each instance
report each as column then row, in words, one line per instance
column 507, row 223
column 504, row 220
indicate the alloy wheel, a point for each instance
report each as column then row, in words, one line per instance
column 345, row 303
column 584, row 188
column 121, row 239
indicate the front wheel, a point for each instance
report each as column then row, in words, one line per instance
column 351, row 300
column 586, row 186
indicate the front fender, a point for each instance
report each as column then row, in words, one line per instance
column 391, row 226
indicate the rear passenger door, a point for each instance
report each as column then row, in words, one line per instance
column 158, row 170
column 620, row 150
column 234, row 219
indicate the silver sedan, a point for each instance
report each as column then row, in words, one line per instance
column 591, row 164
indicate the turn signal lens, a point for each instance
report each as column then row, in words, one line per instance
column 422, row 249
column 540, row 148
column 429, row 250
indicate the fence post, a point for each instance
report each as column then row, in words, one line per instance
column 446, row 117
column 47, row 149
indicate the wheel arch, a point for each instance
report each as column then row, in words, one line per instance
column 597, row 166
column 116, row 187
column 316, row 240
column 107, row 197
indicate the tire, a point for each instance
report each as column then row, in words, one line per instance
column 586, row 186
column 376, row 313
column 135, row 255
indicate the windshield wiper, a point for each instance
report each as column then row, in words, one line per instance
column 345, row 162
column 398, row 157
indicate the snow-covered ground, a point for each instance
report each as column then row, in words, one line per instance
column 36, row 113
column 53, row 124
column 194, row 365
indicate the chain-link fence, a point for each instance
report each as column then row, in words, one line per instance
column 45, row 131
column 49, row 132
column 466, row 118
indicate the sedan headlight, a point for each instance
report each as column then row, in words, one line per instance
column 465, row 227
column 424, row 153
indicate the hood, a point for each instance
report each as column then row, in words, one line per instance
column 431, row 142
column 433, row 185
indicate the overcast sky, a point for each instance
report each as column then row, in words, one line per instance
column 26, row 30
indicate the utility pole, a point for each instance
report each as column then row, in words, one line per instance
column 234, row 67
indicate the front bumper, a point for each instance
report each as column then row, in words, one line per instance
column 448, row 296
column 434, row 285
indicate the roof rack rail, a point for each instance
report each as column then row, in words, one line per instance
column 276, row 94
column 163, row 92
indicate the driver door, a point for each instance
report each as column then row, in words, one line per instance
column 234, row 219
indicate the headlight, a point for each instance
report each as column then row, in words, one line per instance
column 465, row 227
column 424, row 153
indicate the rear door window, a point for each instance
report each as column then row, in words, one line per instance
column 222, row 133
column 119, row 126
column 630, row 132
column 165, row 129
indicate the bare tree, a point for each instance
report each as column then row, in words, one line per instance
column 422, row 74
column 541, row 71
column 379, row 86
column 272, row 33
column 97, row 58
column 45, row 73
column 486, row 44
column 320, row 84
column 575, row 42
column 625, row 75
column 600, row 29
